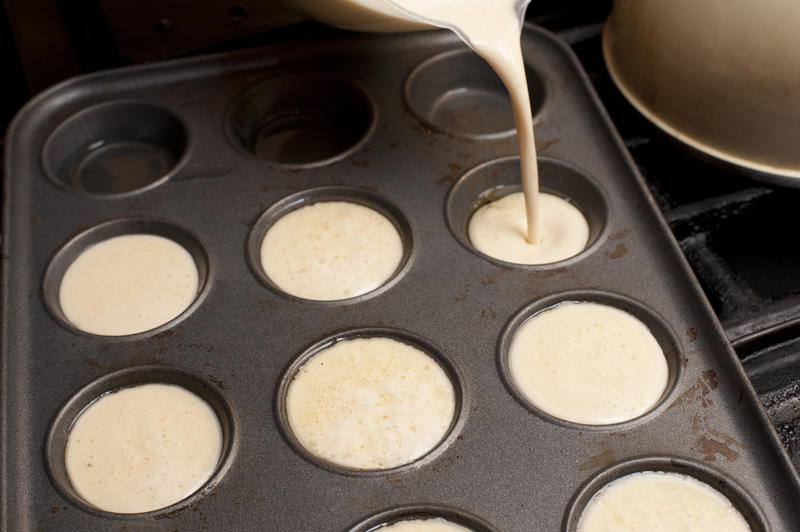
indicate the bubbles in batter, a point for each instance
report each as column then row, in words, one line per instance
column 370, row 403
column 128, row 284
column 143, row 448
column 499, row 229
column 331, row 250
column 656, row 500
column 588, row 363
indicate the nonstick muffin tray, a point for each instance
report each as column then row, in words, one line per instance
column 209, row 151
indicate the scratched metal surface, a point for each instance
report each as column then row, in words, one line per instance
column 503, row 466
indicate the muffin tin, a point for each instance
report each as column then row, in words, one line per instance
column 207, row 151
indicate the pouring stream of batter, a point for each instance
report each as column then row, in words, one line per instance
column 492, row 28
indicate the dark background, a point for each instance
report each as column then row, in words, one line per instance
column 45, row 41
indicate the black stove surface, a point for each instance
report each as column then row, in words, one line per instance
column 735, row 232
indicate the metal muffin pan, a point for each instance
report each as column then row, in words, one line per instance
column 235, row 127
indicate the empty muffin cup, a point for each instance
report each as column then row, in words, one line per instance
column 114, row 148
column 565, row 190
column 589, row 359
column 301, row 120
column 369, row 400
column 672, row 493
column 458, row 93
column 125, row 277
column 140, row 440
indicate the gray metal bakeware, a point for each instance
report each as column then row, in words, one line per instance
column 417, row 127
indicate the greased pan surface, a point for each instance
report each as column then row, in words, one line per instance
column 504, row 465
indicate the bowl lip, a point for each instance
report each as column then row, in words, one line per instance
column 180, row 162
column 762, row 172
column 375, row 20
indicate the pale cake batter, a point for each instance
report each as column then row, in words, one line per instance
column 331, row 250
column 143, row 448
column 370, row 403
column 128, row 284
column 434, row 524
column 498, row 230
column 588, row 363
column 655, row 500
